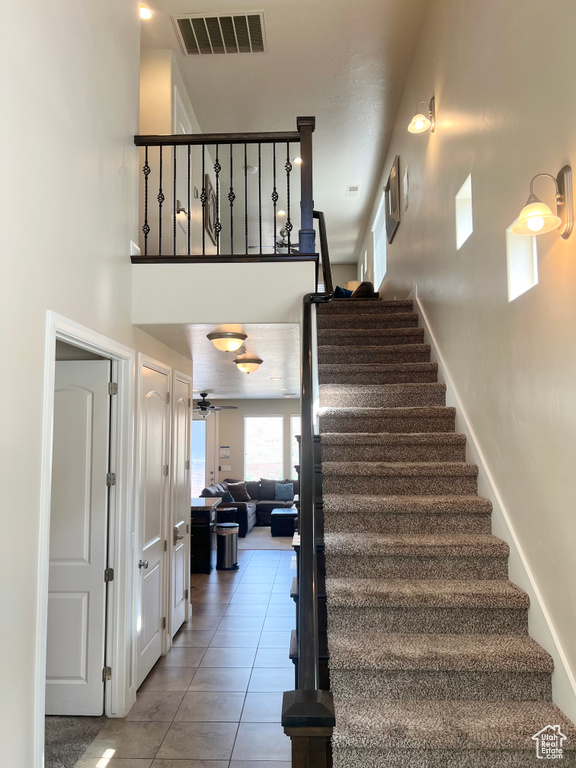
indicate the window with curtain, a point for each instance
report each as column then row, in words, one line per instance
column 379, row 242
column 263, row 447
column 294, row 447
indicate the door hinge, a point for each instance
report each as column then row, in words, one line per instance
column 112, row 388
column 110, row 479
column 106, row 674
column 185, row 594
column 187, row 529
column 165, row 545
column 108, row 574
column 168, row 398
column 189, row 402
column 187, row 464
column 163, row 622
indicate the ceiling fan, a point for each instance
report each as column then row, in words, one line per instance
column 204, row 406
column 281, row 242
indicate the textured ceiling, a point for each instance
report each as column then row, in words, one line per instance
column 345, row 63
column 278, row 345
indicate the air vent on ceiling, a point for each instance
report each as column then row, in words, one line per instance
column 352, row 191
column 221, row 33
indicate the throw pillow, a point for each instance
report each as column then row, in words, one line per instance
column 341, row 293
column 364, row 291
column 253, row 488
column 238, row 491
column 284, row 492
column 226, row 497
column 267, row 489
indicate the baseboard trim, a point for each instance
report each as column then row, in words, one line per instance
column 540, row 623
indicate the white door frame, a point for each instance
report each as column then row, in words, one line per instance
column 120, row 692
column 156, row 365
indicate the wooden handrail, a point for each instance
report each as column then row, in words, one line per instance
column 196, row 139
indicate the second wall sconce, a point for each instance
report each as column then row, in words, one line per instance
column 420, row 123
column 536, row 218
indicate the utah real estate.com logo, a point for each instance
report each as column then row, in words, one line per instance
column 549, row 743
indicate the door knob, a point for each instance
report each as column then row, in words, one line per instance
column 177, row 536
column 143, row 564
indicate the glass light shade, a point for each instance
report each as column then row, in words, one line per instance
column 536, row 218
column 145, row 13
column 419, row 124
column 227, row 341
column 248, row 364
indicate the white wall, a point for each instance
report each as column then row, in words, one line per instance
column 341, row 273
column 502, row 74
column 231, row 431
column 69, row 211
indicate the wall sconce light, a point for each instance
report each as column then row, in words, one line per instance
column 420, row 123
column 536, row 218
column 227, row 341
column 248, row 364
column 145, row 13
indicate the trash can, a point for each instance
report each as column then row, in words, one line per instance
column 227, row 546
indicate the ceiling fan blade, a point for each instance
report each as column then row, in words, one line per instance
column 225, row 407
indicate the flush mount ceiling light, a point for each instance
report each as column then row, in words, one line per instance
column 420, row 123
column 281, row 213
column 227, row 341
column 248, row 364
column 536, row 218
column 297, row 161
column 145, row 13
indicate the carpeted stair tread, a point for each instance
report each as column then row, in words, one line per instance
column 391, row 353
column 391, row 438
column 367, row 337
column 362, row 306
column 437, row 652
column 374, row 320
column 451, row 725
column 409, row 593
column 382, row 395
column 377, row 373
column 335, row 503
column 395, row 469
column 459, row 545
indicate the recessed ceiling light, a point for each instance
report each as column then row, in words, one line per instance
column 145, row 13
column 284, row 390
column 281, row 213
column 297, row 161
column 251, row 169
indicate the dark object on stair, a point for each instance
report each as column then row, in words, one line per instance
column 342, row 293
column 431, row 664
column 364, row 291
column 67, row 738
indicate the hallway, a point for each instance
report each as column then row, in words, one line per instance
column 214, row 701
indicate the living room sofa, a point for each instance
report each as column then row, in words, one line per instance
column 258, row 508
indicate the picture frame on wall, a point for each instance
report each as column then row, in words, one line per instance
column 210, row 209
column 392, row 200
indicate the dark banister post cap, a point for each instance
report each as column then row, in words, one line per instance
column 301, row 121
column 308, row 709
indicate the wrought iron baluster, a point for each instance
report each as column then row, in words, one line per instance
column 246, row 197
column 217, row 226
column 174, row 201
column 231, row 198
column 274, row 194
column 189, row 202
column 260, row 193
column 288, row 168
column 160, row 199
column 146, row 227
column 203, row 199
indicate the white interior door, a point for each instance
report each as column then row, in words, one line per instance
column 152, row 516
column 78, row 536
column 180, row 552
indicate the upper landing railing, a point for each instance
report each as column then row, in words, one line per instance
column 235, row 196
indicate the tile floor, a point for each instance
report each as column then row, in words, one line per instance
column 214, row 701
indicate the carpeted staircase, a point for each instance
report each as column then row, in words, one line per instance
column 431, row 664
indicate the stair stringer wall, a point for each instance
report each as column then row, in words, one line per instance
column 540, row 624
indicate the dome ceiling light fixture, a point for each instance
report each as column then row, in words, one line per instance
column 536, row 218
column 227, row 341
column 248, row 363
column 420, row 123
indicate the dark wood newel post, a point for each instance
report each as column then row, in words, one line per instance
column 306, row 236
